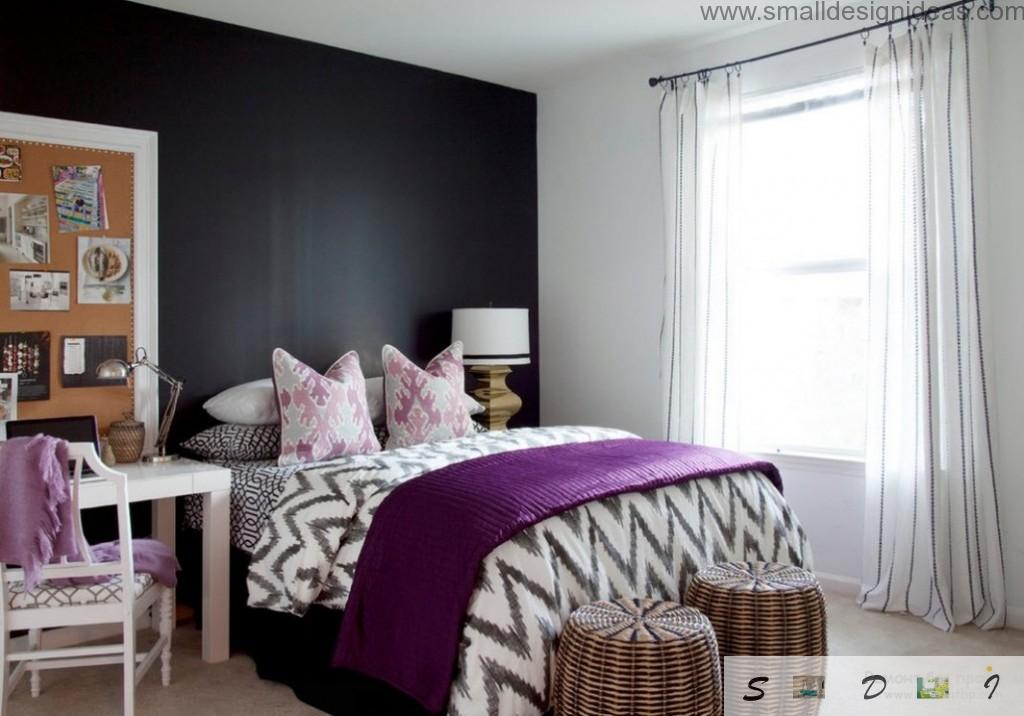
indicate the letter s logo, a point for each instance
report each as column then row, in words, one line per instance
column 752, row 687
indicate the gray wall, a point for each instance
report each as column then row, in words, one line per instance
column 310, row 198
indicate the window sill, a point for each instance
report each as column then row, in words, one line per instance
column 819, row 464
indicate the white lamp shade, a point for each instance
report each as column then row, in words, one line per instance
column 493, row 336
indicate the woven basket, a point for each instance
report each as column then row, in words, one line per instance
column 637, row 657
column 761, row 609
column 127, row 438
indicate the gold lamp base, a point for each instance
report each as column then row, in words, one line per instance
column 499, row 402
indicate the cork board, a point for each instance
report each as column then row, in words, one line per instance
column 107, row 403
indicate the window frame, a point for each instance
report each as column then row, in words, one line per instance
column 805, row 457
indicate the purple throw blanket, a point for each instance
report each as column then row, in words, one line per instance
column 35, row 504
column 418, row 566
column 36, row 526
column 149, row 556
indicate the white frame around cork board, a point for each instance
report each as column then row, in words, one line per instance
column 142, row 145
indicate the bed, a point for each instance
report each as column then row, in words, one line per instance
column 304, row 529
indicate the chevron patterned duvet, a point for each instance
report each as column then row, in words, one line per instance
column 635, row 544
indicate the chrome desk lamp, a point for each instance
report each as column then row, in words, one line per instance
column 117, row 369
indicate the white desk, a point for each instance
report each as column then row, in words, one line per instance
column 161, row 484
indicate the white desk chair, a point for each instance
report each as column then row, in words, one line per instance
column 48, row 606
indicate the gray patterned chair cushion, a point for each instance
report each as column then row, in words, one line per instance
column 48, row 595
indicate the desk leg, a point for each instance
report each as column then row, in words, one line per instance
column 165, row 530
column 216, row 552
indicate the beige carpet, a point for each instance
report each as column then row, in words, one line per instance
column 234, row 688
column 855, row 632
column 196, row 689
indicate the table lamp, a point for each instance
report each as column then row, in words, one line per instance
column 493, row 339
column 117, row 369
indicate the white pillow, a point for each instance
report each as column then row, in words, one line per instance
column 375, row 401
column 253, row 403
column 472, row 405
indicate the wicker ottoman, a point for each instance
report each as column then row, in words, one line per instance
column 637, row 657
column 761, row 609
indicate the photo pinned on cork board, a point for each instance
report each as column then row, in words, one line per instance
column 10, row 162
column 80, row 198
column 104, row 270
column 28, row 356
column 40, row 290
column 8, row 397
column 24, row 228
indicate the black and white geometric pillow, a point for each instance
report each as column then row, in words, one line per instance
column 236, row 442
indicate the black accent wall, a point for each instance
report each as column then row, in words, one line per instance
column 310, row 198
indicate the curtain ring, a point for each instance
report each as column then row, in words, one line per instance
column 864, row 35
column 704, row 76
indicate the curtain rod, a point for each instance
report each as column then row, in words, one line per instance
column 655, row 81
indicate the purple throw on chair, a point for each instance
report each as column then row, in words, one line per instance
column 35, row 504
column 36, row 521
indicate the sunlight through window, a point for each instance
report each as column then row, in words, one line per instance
column 801, row 272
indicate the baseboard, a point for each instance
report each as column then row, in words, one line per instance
column 1015, row 617
column 850, row 587
column 838, row 584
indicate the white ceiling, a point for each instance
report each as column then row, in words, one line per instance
column 519, row 43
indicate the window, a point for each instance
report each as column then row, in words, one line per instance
column 800, row 273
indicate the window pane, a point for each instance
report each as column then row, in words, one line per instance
column 802, row 365
column 800, row 277
column 804, row 187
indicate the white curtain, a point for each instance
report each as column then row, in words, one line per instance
column 932, row 539
column 700, row 161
